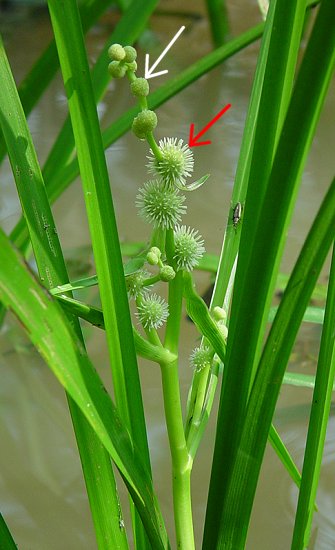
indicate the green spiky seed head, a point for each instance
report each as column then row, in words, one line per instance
column 116, row 52
column 135, row 281
column 144, row 122
column 200, row 358
column 167, row 273
column 140, row 87
column 159, row 205
column 116, row 70
column 131, row 54
column 189, row 247
column 176, row 163
column 153, row 311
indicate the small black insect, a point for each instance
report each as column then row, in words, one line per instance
column 237, row 213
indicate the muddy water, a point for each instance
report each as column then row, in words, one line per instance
column 42, row 492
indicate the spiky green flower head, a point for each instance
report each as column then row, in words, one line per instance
column 189, row 247
column 176, row 163
column 160, row 205
column 134, row 283
column 153, row 311
column 144, row 123
column 200, row 358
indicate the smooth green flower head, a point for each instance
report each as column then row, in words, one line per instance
column 189, row 247
column 144, row 123
column 116, row 70
column 134, row 283
column 153, row 256
column 130, row 54
column 223, row 329
column 117, row 52
column 200, row 358
column 167, row 273
column 140, row 87
column 153, row 311
column 160, row 205
column 132, row 66
column 219, row 314
column 176, row 164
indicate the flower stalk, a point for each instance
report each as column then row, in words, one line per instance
column 175, row 249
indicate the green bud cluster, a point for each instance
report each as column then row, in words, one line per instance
column 154, row 255
column 220, row 317
column 166, row 272
column 123, row 60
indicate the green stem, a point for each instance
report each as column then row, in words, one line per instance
column 154, row 147
column 151, row 280
column 181, row 462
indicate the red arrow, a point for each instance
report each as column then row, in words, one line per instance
column 193, row 140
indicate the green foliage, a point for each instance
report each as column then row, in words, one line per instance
column 273, row 153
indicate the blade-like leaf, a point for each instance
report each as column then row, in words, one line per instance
column 55, row 339
column 101, row 218
column 260, row 251
column 318, row 422
column 6, row 539
column 50, row 262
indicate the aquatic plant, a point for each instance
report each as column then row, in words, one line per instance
column 232, row 329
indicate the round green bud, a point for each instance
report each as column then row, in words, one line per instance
column 167, row 273
column 131, row 54
column 152, row 258
column 140, row 87
column 116, row 70
column 219, row 313
column 143, row 123
column 224, row 330
column 132, row 66
column 156, row 251
column 116, row 52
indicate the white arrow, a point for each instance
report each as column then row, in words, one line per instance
column 148, row 73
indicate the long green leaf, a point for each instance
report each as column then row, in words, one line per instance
column 255, row 275
column 261, row 92
column 318, row 422
column 50, row 262
column 51, row 333
column 6, row 539
column 218, row 18
column 101, row 218
column 272, row 365
column 74, row 65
